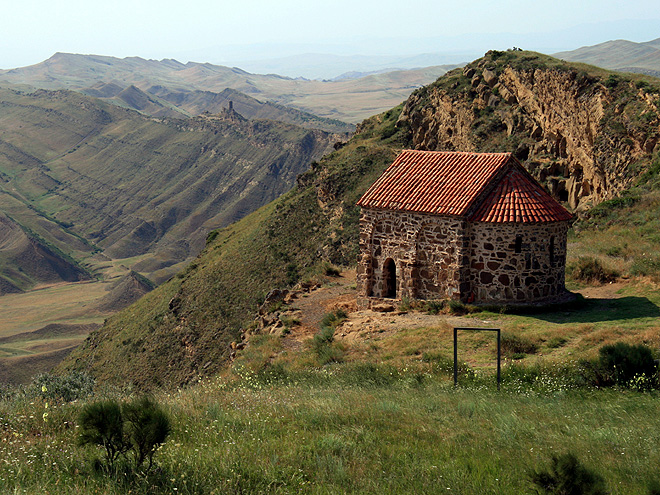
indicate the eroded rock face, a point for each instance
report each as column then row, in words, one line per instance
column 573, row 132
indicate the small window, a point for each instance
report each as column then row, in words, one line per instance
column 552, row 251
column 518, row 246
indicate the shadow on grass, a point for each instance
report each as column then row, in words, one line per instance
column 597, row 310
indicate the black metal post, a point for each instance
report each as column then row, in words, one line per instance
column 499, row 359
column 455, row 357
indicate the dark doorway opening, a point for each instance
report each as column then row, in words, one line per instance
column 389, row 279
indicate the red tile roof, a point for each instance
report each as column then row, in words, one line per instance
column 517, row 197
column 454, row 183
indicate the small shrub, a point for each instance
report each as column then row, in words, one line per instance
column 567, row 476
column 289, row 322
column 333, row 319
column 457, row 307
column 329, row 354
column 67, row 388
column 590, row 270
column 211, row 236
column 138, row 428
column 406, row 304
column 513, row 345
column 324, row 337
column 435, row 307
column 102, row 424
column 147, row 426
column 331, row 270
column 647, row 267
column 322, row 343
column 612, row 81
column 625, row 364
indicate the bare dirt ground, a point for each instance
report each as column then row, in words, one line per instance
column 310, row 308
column 613, row 290
column 341, row 294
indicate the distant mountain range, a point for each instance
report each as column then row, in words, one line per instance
column 620, row 55
column 165, row 82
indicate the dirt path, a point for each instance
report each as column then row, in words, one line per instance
column 311, row 307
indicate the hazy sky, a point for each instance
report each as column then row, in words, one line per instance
column 218, row 30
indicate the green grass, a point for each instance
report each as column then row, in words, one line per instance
column 336, row 431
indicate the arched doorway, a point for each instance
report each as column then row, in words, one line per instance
column 389, row 279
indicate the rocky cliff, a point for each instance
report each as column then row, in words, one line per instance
column 584, row 134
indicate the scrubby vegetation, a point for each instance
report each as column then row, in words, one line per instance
column 354, row 428
column 567, row 475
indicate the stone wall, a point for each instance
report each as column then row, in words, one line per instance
column 428, row 252
column 498, row 273
column 437, row 257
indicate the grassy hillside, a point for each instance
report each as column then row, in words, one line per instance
column 194, row 318
column 361, row 429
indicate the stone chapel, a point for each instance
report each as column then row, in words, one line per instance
column 473, row 227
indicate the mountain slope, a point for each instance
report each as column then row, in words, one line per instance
column 348, row 101
column 619, row 55
column 89, row 176
column 199, row 102
column 185, row 328
column 26, row 260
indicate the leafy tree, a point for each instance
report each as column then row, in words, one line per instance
column 134, row 430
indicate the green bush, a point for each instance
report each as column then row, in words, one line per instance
column 330, row 270
column 67, row 388
column 567, row 476
column 590, row 270
column 628, row 365
column 647, row 267
column 613, row 81
column 133, row 430
column 457, row 307
column 333, row 319
column 322, row 343
column 147, row 426
column 435, row 307
column 102, row 424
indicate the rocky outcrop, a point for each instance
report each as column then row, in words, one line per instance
column 579, row 134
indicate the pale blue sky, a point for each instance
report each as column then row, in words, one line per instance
column 218, row 30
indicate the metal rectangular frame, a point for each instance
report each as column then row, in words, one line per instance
column 499, row 350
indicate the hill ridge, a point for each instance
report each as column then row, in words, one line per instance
column 505, row 101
